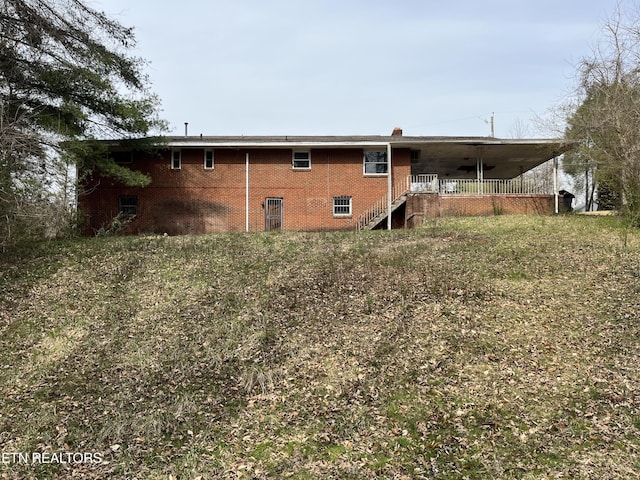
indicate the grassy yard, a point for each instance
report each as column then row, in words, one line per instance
column 503, row 347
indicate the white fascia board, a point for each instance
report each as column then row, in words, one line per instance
column 405, row 143
column 203, row 144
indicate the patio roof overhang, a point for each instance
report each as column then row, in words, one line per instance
column 454, row 157
column 499, row 158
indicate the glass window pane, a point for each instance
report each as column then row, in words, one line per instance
column 128, row 205
column 208, row 159
column 301, row 160
column 375, row 162
column 342, row 205
column 175, row 159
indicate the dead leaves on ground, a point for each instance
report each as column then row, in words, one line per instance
column 477, row 348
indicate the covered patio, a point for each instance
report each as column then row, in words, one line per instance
column 471, row 167
column 481, row 158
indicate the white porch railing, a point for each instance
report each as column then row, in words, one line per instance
column 424, row 183
column 518, row 186
column 430, row 183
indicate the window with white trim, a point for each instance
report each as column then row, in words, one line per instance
column 176, row 160
column 375, row 162
column 208, row 159
column 341, row 206
column 128, row 205
column 301, row 160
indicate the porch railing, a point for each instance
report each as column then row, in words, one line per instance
column 451, row 186
column 430, row 183
column 466, row 186
column 423, row 183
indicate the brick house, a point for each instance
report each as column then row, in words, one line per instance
column 224, row 184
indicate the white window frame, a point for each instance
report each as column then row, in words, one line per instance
column 365, row 163
column 206, row 154
column 176, row 159
column 294, row 159
column 336, row 206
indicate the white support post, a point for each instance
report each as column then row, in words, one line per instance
column 478, row 175
column 555, row 183
column 479, row 172
column 389, row 187
column 246, row 182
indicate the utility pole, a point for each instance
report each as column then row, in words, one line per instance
column 492, row 123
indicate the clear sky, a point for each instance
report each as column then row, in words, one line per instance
column 360, row 67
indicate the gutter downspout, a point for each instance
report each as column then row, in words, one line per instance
column 555, row 184
column 389, row 187
column 246, row 182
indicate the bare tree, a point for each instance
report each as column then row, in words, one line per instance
column 606, row 121
column 519, row 129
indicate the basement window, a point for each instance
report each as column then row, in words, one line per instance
column 341, row 206
column 208, row 159
column 176, row 160
column 301, row 160
column 375, row 162
column 128, row 205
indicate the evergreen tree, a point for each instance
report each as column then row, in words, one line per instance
column 66, row 80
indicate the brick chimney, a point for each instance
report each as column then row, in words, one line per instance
column 397, row 132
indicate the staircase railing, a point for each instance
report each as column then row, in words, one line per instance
column 411, row 183
column 381, row 206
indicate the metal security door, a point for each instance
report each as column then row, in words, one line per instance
column 273, row 215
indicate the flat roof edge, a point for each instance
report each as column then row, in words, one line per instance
column 289, row 142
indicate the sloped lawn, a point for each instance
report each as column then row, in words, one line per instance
column 503, row 347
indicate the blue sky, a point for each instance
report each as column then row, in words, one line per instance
column 350, row 67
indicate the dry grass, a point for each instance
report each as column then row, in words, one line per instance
column 501, row 347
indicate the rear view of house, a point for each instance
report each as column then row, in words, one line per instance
column 225, row 184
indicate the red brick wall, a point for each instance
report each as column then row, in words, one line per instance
column 496, row 205
column 195, row 200
column 420, row 206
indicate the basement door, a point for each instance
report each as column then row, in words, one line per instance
column 273, row 215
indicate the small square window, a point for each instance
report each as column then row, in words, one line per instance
column 176, row 160
column 128, row 205
column 341, row 206
column 208, row 160
column 376, row 163
column 302, row 160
